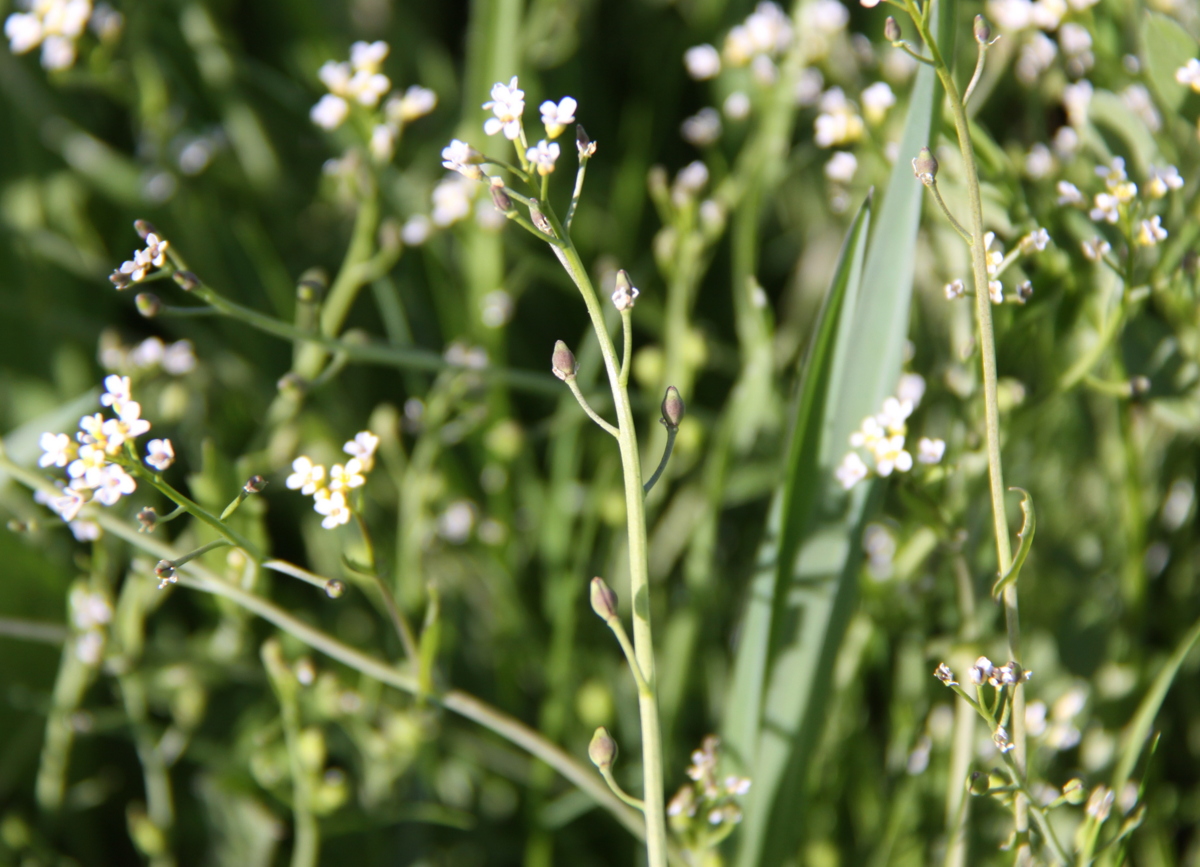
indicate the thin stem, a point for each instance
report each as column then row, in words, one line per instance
column 958, row 227
column 32, row 630
column 403, row 630
column 592, row 414
column 606, row 772
column 203, row 549
column 576, row 194
column 666, row 456
column 296, row 572
column 197, row 511
column 618, row 628
column 907, row 49
column 987, row 354
column 627, row 345
column 983, row 47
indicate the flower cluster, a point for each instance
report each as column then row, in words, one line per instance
column 507, row 106
column 983, row 671
column 1120, row 205
column 883, row 435
column 93, row 458
column 175, row 358
column 704, row 811
column 57, row 25
column 360, row 81
column 330, row 490
column 135, row 270
column 997, row 263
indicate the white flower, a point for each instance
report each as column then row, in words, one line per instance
column 1035, row 240
column 770, row 29
column 555, row 117
column 332, row 504
column 1188, row 75
column 809, row 86
column 869, row 434
column 1163, row 181
column 1068, row 194
column 455, row 524
column 368, row 56
column 911, row 388
column 841, row 167
column 1039, row 162
column 92, row 429
column 363, row 448
column 58, row 450
column 996, row 291
column 930, row 451
column 458, row 156
column 328, row 113
column 347, row 476
column 1035, row 58
column 624, row 298
column 417, row 102
column 543, row 156
column 85, row 531
column 851, row 470
column 336, row 76
column 452, row 200
column 1096, row 249
column 736, row 106
column 114, row 484
column 994, row 258
column 869, row 4
column 1074, row 38
column 703, row 128
column 383, row 142
column 68, row 504
column 893, row 415
column 691, row 179
column 117, row 392
column 129, row 425
column 1150, row 232
column 306, row 476
column 24, row 32
column 1113, row 174
column 415, row 230
column 58, row 52
column 876, row 100
column 1076, row 99
column 507, row 104
column 87, row 470
column 178, row 358
column 367, row 88
column 160, row 454
column 1105, row 208
column 702, row 62
column 838, row 123
column 89, row 610
column 890, row 455
column 954, row 289
column 981, row 671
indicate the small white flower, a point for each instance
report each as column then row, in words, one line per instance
column 156, row 250
column 129, row 425
column 368, row 56
column 458, row 156
column 1105, row 209
column 543, row 156
column 894, row 414
column 89, row 610
column 58, row 450
column 910, row 389
column 67, row 504
column 457, row 521
column 869, row 4
column 363, row 448
column 24, row 32
column 416, row 230
column 1068, row 194
column 954, row 289
column 507, row 104
column 367, row 88
column 347, row 476
column 178, row 358
column 876, row 100
column 737, row 106
column 702, row 62
column 329, row 113
column 306, row 476
column 160, row 454
column 85, row 531
column 1150, row 232
column 691, row 179
column 996, row 291
column 981, row 671
column 87, row 470
column 869, row 434
column 332, row 504
column 1163, row 181
column 1096, row 249
column 452, row 200
column 417, row 102
column 1035, row 240
column 624, row 299
column 1113, row 174
column 703, row 128
column 114, row 484
column 838, row 123
column 1076, row 99
column 841, row 167
column 1039, row 162
column 556, row 117
column 117, row 392
column 1189, row 74
column 930, row 451
column 809, row 86
column 890, row 455
column 851, row 470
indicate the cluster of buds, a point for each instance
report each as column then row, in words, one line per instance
column 153, row 255
column 882, row 436
column 1119, row 204
column 997, row 263
column 93, row 458
column 360, row 81
column 330, row 489
column 983, row 671
column 704, row 811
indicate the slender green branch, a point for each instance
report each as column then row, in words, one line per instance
column 958, row 227
column 666, row 456
column 407, row 640
column 32, row 630
column 296, row 572
column 618, row 629
column 307, row 841
column 592, row 414
column 576, row 194
column 606, row 772
column 197, row 511
column 983, row 47
column 627, row 345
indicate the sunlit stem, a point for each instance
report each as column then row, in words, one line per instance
column 662, row 464
column 606, row 772
column 587, row 407
column 983, row 47
column 958, row 227
column 577, row 194
column 201, row 551
column 987, row 355
column 627, row 347
column 618, row 628
column 294, row 571
column 403, row 630
column 908, row 49
column 198, row 511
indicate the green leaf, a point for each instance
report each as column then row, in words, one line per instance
column 805, row 585
column 1166, row 46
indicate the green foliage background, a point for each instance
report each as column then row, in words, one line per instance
column 1108, row 594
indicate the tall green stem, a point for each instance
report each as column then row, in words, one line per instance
column 639, row 572
column 987, row 355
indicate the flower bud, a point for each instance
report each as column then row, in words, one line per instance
column 186, row 279
column 312, row 286
column 148, row 304
column 1139, row 387
column 925, row 166
column 539, row 219
column 604, row 600
column 585, row 145
column 562, row 362
column 502, row 202
column 334, row 588
column 891, row 30
column 983, row 32
column 979, row 783
column 603, row 749
column 625, row 293
column 255, row 485
column 144, row 228
column 1024, row 291
column 1073, row 791
column 672, row 408
column 148, row 518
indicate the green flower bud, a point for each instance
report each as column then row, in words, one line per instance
column 186, row 279
column 672, row 408
column 983, row 33
column 255, row 485
column 979, row 783
column 148, row 304
column 603, row 749
column 604, row 600
column 562, row 362
column 925, row 166
column 334, row 588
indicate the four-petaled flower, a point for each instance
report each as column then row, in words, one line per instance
column 59, row 450
column 556, row 116
column 306, row 476
column 114, row 483
column 543, row 156
column 345, row 477
column 458, row 156
column 332, row 504
column 507, row 104
column 363, row 448
column 160, row 454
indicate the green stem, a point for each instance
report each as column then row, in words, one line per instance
column 587, row 407
column 197, row 511
column 987, row 353
column 618, row 628
column 607, row 773
column 403, row 630
column 666, row 456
